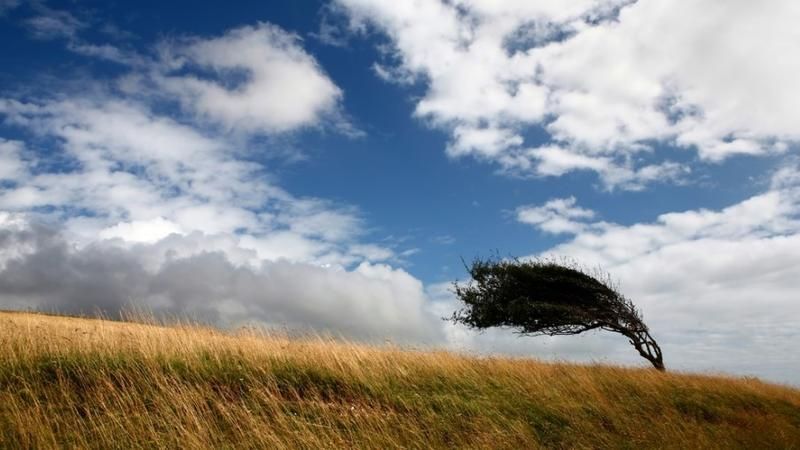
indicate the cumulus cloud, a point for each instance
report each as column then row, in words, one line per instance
column 148, row 231
column 718, row 288
column 557, row 216
column 554, row 160
column 606, row 80
column 253, row 79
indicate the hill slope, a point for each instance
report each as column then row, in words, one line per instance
column 69, row 382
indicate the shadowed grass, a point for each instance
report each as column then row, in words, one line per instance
column 82, row 383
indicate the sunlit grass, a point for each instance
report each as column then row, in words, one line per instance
column 83, row 383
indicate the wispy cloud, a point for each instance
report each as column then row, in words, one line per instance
column 54, row 24
column 8, row 5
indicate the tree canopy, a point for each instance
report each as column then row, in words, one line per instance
column 543, row 297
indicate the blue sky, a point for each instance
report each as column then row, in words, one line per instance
column 318, row 164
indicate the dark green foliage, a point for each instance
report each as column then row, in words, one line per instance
column 540, row 297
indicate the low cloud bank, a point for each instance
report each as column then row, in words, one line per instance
column 42, row 270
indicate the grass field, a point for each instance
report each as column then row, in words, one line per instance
column 84, row 383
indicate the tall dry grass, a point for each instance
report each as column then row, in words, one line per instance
column 82, row 383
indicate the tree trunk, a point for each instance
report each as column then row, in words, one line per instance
column 647, row 348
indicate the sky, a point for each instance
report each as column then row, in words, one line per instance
column 329, row 165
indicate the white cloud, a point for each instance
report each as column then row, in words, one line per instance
column 556, row 161
column 251, row 79
column 128, row 162
column 104, row 51
column 8, row 5
column 47, row 24
column 483, row 142
column 604, row 79
column 372, row 252
column 12, row 165
column 54, row 24
column 718, row 288
column 142, row 176
column 557, row 216
column 676, row 70
column 147, row 231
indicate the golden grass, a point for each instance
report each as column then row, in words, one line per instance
column 86, row 383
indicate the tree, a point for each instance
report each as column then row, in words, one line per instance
column 542, row 297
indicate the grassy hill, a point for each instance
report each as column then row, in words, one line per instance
column 70, row 382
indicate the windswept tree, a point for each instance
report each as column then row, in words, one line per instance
column 542, row 297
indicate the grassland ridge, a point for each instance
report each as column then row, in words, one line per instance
column 68, row 382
